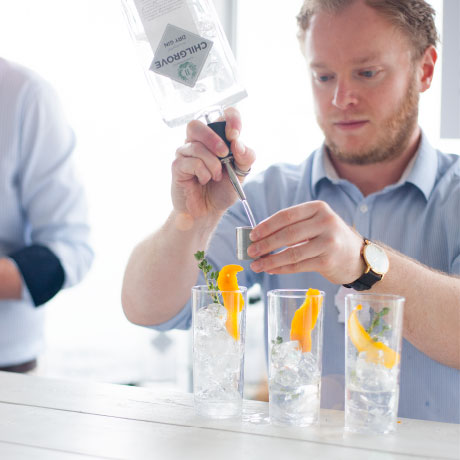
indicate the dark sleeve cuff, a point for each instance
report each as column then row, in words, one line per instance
column 41, row 270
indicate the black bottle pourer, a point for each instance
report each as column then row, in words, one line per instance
column 219, row 128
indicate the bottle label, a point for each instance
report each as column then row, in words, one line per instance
column 179, row 52
column 181, row 55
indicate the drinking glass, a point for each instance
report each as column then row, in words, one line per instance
column 373, row 336
column 295, row 333
column 219, row 326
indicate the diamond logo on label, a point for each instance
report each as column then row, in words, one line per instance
column 181, row 55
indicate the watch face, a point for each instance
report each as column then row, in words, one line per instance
column 376, row 258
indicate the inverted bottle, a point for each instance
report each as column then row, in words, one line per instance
column 188, row 64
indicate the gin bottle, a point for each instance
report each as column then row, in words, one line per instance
column 188, row 64
column 185, row 55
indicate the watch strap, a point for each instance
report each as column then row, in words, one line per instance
column 368, row 278
column 365, row 281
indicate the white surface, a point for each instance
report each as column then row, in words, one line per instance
column 47, row 419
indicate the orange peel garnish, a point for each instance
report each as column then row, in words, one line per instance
column 304, row 319
column 233, row 302
column 363, row 342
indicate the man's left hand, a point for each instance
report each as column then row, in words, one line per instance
column 312, row 238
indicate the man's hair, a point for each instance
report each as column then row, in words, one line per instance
column 414, row 18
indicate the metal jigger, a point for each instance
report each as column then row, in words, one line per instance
column 243, row 242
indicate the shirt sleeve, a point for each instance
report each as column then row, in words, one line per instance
column 52, row 198
column 41, row 272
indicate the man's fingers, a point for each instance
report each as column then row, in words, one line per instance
column 243, row 156
column 199, row 132
column 233, row 126
column 199, row 151
column 287, row 236
column 290, row 216
column 295, row 256
column 187, row 168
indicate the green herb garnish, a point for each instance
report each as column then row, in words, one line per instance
column 377, row 320
column 277, row 341
column 210, row 275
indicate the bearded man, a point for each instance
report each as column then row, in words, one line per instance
column 375, row 180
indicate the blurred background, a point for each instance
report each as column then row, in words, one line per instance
column 124, row 154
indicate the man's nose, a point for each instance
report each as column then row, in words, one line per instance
column 344, row 95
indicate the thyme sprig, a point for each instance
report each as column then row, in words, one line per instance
column 210, row 275
column 378, row 318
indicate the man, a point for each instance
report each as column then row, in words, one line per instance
column 43, row 227
column 376, row 176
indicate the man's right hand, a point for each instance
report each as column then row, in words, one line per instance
column 200, row 184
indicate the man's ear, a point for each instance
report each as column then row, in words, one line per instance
column 426, row 67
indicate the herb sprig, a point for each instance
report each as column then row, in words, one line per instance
column 377, row 320
column 210, row 275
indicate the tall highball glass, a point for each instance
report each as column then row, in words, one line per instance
column 295, row 333
column 219, row 327
column 373, row 337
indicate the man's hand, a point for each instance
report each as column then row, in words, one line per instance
column 154, row 292
column 200, row 186
column 313, row 238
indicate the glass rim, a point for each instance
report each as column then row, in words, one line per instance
column 204, row 288
column 292, row 293
column 375, row 297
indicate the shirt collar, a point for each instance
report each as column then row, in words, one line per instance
column 322, row 168
column 421, row 170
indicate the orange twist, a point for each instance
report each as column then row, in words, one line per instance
column 363, row 342
column 304, row 319
column 233, row 302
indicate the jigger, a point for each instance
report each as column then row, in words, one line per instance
column 242, row 242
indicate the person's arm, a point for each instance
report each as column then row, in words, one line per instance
column 432, row 307
column 10, row 280
column 317, row 239
column 54, row 252
column 162, row 269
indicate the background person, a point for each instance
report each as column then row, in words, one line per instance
column 376, row 176
column 43, row 224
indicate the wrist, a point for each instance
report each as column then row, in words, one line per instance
column 186, row 224
column 376, row 265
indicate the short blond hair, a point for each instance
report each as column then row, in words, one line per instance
column 414, row 18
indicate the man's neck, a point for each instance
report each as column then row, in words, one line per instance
column 375, row 177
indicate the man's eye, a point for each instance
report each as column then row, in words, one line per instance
column 367, row 73
column 324, row 78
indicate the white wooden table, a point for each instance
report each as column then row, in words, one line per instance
column 56, row 419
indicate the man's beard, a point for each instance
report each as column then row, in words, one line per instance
column 394, row 135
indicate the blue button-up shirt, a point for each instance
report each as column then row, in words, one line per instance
column 417, row 216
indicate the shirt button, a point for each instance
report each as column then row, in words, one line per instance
column 363, row 208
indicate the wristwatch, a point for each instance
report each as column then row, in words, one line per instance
column 377, row 265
